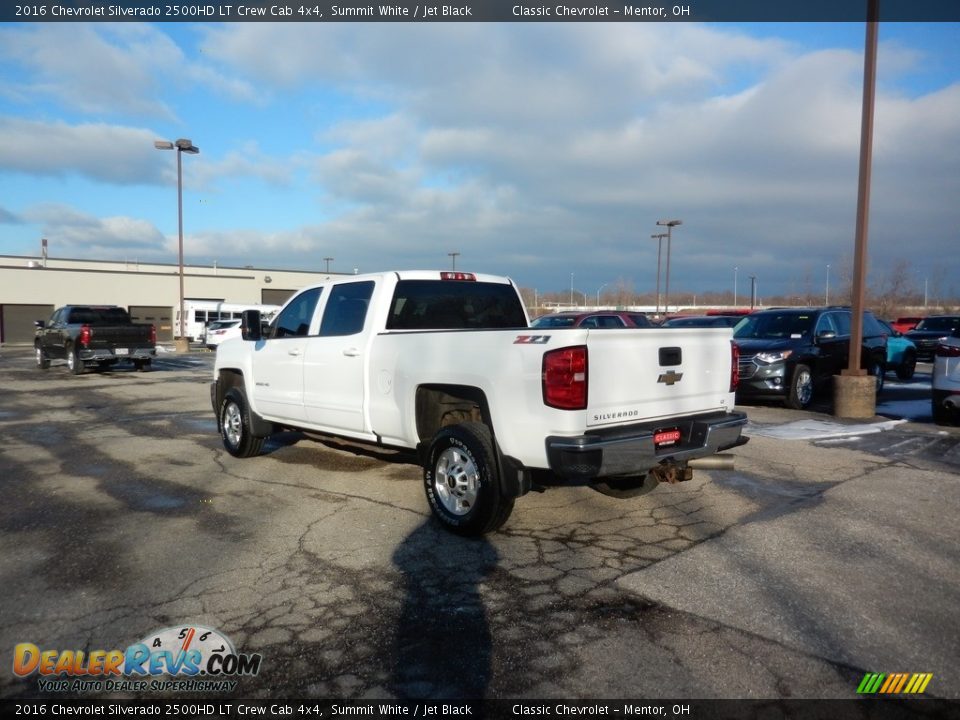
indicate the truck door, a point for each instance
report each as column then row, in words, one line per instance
column 278, row 360
column 335, row 363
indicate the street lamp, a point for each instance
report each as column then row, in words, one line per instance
column 670, row 225
column 182, row 146
column 598, row 293
column 659, row 238
column 453, row 256
column 571, row 289
column 753, row 291
column 826, row 294
column 328, row 260
column 735, row 269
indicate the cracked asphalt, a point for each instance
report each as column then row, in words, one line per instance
column 790, row 577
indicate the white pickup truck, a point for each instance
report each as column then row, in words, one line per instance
column 444, row 363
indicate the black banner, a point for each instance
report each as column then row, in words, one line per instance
column 872, row 709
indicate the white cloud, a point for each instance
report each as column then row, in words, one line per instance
column 86, row 235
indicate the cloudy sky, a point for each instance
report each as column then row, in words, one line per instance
column 534, row 150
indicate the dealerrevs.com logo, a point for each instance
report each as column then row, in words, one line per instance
column 183, row 659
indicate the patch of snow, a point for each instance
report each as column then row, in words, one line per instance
column 819, row 429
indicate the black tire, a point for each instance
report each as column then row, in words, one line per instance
column 801, row 388
column 624, row 488
column 462, row 482
column 907, row 366
column 142, row 365
column 876, row 369
column 234, row 423
column 43, row 362
column 942, row 415
column 74, row 363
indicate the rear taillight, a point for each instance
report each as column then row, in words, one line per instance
column 153, row 334
column 734, row 366
column 85, row 334
column 944, row 350
column 565, row 378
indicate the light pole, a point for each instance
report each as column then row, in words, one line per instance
column 659, row 238
column 571, row 289
column 182, row 146
column 735, row 269
column 670, row 225
column 598, row 293
column 453, row 256
column 753, row 291
column 328, row 260
column 826, row 294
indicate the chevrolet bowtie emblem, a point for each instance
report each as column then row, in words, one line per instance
column 670, row 378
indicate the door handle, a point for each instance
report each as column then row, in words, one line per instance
column 294, row 351
column 351, row 352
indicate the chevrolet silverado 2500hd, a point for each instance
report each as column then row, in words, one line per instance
column 445, row 363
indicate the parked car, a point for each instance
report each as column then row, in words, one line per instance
column 93, row 336
column 901, row 353
column 930, row 331
column 702, row 321
column 219, row 330
column 791, row 352
column 595, row 319
column 905, row 324
column 945, row 400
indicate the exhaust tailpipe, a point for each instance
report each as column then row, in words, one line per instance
column 713, row 462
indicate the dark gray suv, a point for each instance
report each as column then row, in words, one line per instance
column 789, row 353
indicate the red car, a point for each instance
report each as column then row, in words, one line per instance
column 905, row 324
column 594, row 319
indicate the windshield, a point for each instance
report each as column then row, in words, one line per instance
column 938, row 323
column 775, row 326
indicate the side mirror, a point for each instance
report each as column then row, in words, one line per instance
column 250, row 328
column 39, row 324
column 826, row 335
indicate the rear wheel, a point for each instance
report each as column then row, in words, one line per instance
column 942, row 415
column 43, row 362
column 462, row 482
column 141, row 365
column 74, row 363
column 623, row 488
column 876, row 369
column 801, row 388
column 234, row 421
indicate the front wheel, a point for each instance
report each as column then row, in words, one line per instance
column 801, row 388
column 462, row 482
column 234, row 422
column 907, row 366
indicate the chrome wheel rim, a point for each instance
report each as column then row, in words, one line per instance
column 456, row 481
column 232, row 424
column 71, row 360
column 804, row 383
column 39, row 356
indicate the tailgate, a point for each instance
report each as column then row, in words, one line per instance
column 647, row 374
column 109, row 336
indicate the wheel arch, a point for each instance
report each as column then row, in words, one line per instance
column 229, row 378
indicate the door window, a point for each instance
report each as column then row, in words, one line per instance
column 826, row 324
column 346, row 310
column 295, row 319
column 842, row 319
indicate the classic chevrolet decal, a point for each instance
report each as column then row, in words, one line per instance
column 670, row 377
column 532, row 340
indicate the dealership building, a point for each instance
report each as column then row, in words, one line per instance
column 31, row 288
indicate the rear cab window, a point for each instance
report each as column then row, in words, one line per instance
column 453, row 305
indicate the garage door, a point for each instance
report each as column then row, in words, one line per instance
column 16, row 322
column 275, row 297
column 159, row 316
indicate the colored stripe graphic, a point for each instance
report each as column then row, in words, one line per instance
column 894, row 683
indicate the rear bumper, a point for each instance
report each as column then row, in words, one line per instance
column 630, row 451
column 102, row 354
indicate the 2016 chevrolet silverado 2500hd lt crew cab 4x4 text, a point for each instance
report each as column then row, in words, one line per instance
column 445, row 363
column 93, row 335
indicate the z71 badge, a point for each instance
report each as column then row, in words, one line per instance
column 532, row 340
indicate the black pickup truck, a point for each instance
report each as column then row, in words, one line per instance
column 94, row 335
